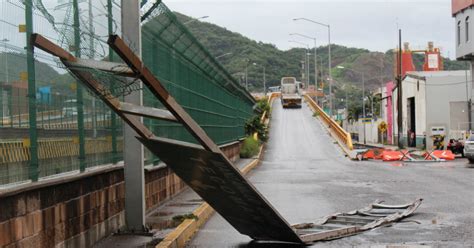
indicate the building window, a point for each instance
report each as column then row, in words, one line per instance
column 467, row 29
column 459, row 33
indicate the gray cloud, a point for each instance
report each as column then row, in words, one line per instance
column 365, row 24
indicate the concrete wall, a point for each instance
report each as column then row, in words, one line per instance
column 78, row 210
column 448, row 89
column 434, row 93
column 413, row 87
column 465, row 48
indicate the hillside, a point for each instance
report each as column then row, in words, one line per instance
column 278, row 63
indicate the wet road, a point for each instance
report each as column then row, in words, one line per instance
column 305, row 176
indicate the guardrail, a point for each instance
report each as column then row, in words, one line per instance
column 341, row 134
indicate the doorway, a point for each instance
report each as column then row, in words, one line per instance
column 411, row 121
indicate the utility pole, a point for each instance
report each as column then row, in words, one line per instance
column 363, row 108
column 264, row 82
column 133, row 150
column 30, row 58
column 399, row 92
column 315, row 70
column 330, row 71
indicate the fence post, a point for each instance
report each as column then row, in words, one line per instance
column 79, row 94
column 113, row 116
column 33, row 168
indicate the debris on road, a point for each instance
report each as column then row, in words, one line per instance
column 346, row 224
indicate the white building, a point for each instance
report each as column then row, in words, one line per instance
column 433, row 99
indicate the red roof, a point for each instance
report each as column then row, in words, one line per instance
column 459, row 5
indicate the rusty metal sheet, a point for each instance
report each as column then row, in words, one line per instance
column 223, row 187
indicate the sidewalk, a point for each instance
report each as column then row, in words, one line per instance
column 163, row 220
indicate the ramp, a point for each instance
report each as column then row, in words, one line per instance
column 203, row 167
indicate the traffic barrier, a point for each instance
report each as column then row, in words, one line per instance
column 389, row 155
column 440, row 154
column 343, row 136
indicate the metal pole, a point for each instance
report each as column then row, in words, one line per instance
column 399, row 91
column 79, row 93
column 264, row 82
column 92, row 54
column 133, row 150
column 307, row 67
column 363, row 107
column 33, row 168
column 330, row 71
column 113, row 116
column 315, row 70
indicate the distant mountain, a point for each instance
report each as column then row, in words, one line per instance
column 377, row 66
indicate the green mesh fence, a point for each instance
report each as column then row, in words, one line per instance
column 198, row 82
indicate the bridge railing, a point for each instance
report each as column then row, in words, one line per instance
column 341, row 134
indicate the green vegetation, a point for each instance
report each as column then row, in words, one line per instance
column 249, row 148
column 255, row 124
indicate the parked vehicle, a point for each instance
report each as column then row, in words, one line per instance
column 469, row 149
column 290, row 96
column 456, row 146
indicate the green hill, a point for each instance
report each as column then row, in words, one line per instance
column 377, row 66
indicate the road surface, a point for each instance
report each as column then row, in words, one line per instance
column 306, row 176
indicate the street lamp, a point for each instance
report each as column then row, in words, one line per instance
column 306, row 72
column 315, row 61
column 195, row 19
column 363, row 96
column 329, row 55
column 222, row 55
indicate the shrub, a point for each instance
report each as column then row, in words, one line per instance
column 249, row 148
column 254, row 125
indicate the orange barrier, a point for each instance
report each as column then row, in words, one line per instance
column 441, row 154
column 389, row 155
column 344, row 136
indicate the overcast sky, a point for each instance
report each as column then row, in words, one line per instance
column 370, row 24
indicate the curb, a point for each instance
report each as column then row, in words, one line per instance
column 186, row 230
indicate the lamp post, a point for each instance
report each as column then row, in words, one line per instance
column 329, row 56
column 315, row 60
column 195, row 19
column 363, row 97
column 306, row 59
